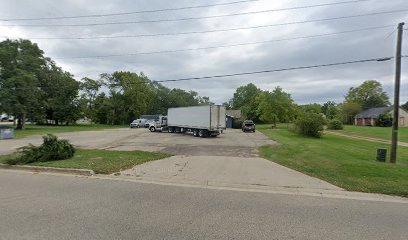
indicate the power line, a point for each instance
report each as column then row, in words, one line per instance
column 277, row 70
column 184, row 19
column 217, row 30
column 382, row 59
column 229, row 45
column 127, row 13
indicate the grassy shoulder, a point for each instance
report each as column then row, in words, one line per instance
column 50, row 129
column 347, row 163
column 375, row 132
column 100, row 161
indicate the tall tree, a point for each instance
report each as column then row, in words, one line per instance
column 312, row 108
column 245, row 99
column 276, row 106
column 21, row 64
column 370, row 94
column 347, row 111
column 90, row 89
column 329, row 109
column 60, row 96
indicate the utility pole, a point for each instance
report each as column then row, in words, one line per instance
column 395, row 119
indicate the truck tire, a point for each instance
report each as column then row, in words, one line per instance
column 170, row 130
column 152, row 129
column 195, row 133
column 202, row 133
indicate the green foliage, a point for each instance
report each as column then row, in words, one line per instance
column 52, row 149
column 276, row 106
column 384, row 120
column 237, row 124
column 347, row 111
column 405, row 106
column 314, row 108
column 310, row 124
column 335, row 124
column 329, row 109
column 245, row 99
column 370, row 94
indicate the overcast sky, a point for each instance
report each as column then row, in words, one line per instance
column 306, row 86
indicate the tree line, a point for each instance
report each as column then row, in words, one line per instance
column 33, row 87
column 277, row 106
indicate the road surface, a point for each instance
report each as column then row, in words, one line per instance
column 40, row 206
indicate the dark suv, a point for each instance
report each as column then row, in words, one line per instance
column 248, row 125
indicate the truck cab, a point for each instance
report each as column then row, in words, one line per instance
column 159, row 125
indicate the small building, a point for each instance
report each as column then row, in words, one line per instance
column 231, row 116
column 370, row 116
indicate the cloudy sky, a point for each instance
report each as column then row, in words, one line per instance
column 306, row 86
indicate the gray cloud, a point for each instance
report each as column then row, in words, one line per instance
column 313, row 85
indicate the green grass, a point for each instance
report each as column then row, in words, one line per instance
column 347, row 163
column 100, row 161
column 375, row 132
column 43, row 130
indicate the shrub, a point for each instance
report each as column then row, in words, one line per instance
column 52, row 149
column 335, row 125
column 237, row 124
column 384, row 120
column 310, row 124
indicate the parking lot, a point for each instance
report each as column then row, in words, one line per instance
column 231, row 143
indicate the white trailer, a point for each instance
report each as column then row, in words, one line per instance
column 202, row 121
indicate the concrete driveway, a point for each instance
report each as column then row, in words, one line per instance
column 229, row 160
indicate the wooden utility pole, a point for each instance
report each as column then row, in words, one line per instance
column 395, row 120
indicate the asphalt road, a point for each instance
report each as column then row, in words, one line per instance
column 39, row 206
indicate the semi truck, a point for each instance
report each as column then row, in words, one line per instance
column 201, row 121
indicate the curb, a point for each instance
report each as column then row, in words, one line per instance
column 82, row 172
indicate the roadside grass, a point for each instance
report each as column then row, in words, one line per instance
column 32, row 129
column 375, row 132
column 100, row 161
column 347, row 163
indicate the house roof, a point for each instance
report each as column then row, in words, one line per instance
column 234, row 113
column 373, row 112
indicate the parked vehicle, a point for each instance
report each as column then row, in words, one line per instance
column 201, row 121
column 138, row 123
column 148, row 122
column 248, row 126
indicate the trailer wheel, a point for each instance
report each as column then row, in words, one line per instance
column 170, row 130
column 195, row 133
column 202, row 133
column 152, row 129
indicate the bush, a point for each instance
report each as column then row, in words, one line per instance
column 52, row 149
column 335, row 125
column 384, row 120
column 237, row 124
column 310, row 124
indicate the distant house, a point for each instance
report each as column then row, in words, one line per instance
column 232, row 115
column 369, row 117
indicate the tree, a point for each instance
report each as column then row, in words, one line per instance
column 21, row 64
column 370, row 94
column 314, row 108
column 245, row 100
column 330, row 110
column 405, row 106
column 90, row 89
column 60, row 95
column 276, row 106
column 347, row 111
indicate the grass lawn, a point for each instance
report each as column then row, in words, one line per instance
column 42, row 130
column 347, row 163
column 375, row 132
column 101, row 161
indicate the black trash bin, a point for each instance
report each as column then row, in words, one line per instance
column 381, row 154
